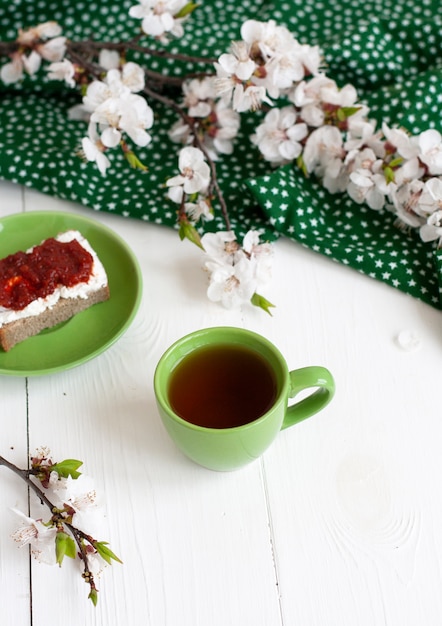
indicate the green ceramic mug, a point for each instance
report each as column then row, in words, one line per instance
column 254, row 367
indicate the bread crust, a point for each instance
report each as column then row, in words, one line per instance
column 21, row 329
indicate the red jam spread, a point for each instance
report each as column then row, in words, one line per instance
column 26, row 276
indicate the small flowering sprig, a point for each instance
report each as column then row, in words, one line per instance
column 72, row 502
column 307, row 120
column 30, row 48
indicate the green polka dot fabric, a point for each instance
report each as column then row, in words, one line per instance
column 390, row 50
column 351, row 234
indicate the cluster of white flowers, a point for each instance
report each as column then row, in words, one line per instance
column 115, row 109
column 264, row 65
column 328, row 131
column 161, row 17
column 34, row 44
column 237, row 272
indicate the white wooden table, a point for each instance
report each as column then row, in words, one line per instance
column 339, row 524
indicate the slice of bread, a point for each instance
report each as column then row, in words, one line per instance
column 58, row 307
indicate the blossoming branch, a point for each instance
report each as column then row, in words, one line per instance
column 72, row 502
column 303, row 117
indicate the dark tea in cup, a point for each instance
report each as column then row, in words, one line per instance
column 224, row 393
column 222, row 386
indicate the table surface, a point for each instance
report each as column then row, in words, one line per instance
column 339, row 523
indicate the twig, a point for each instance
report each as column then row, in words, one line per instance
column 77, row 534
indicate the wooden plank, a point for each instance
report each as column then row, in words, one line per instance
column 195, row 544
column 14, row 562
column 351, row 491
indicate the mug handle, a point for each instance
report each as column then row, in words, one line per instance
column 305, row 378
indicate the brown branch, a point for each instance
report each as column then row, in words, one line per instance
column 8, row 47
column 134, row 46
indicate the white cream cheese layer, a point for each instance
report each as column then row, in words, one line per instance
column 98, row 279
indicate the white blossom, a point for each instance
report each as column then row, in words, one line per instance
column 46, row 30
column 307, row 96
column 411, row 169
column 198, row 210
column 365, row 186
column 363, row 133
column 132, row 76
column 198, row 94
column 232, row 285
column 398, row 140
column 94, row 148
column 221, row 246
column 268, row 36
column 341, row 97
column 238, row 62
column 31, row 63
column 262, row 253
column 417, row 201
column 279, row 136
column 430, row 200
column 109, row 59
column 249, row 98
column 135, row 116
column 430, row 146
column 12, row 71
column 224, row 129
column 116, row 85
column 40, row 537
column 308, row 92
column 233, row 83
column 323, row 145
column 405, row 201
column 62, row 70
column 78, row 494
column 433, row 228
column 194, row 174
column 53, row 50
column 159, row 17
column 236, row 272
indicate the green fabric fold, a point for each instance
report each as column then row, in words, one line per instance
column 355, row 235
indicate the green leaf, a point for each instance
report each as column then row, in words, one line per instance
column 106, row 553
column 396, row 162
column 134, row 161
column 93, row 595
column 389, row 174
column 186, row 10
column 261, row 302
column 67, row 468
column 345, row 112
column 302, row 166
column 188, row 231
column 64, row 546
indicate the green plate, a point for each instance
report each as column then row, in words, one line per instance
column 89, row 333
